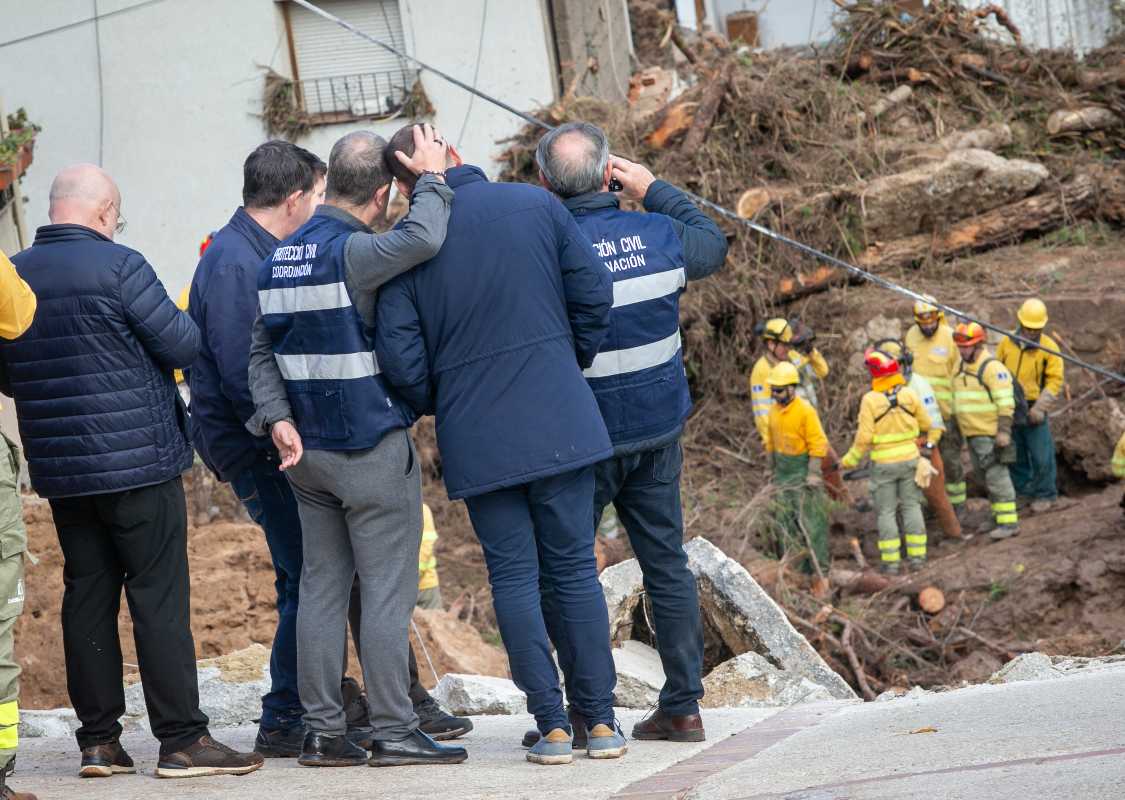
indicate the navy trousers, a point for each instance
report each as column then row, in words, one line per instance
column 645, row 489
column 268, row 499
column 1034, row 473
column 543, row 533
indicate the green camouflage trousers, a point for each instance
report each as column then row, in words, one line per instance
column 13, row 544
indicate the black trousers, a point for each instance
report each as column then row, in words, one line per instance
column 136, row 539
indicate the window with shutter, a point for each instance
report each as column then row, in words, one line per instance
column 341, row 77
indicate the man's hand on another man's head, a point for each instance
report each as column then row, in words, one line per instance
column 430, row 151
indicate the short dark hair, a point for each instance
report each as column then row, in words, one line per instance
column 275, row 170
column 356, row 168
column 402, row 140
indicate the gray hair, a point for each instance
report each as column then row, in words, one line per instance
column 571, row 170
column 356, row 169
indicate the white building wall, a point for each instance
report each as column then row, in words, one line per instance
column 182, row 85
column 780, row 24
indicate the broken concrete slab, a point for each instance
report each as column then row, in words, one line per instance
column 1041, row 667
column 50, row 723
column 640, row 675
column 750, row 681
column 230, row 689
column 479, row 694
column 442, row 640
column 744, row 616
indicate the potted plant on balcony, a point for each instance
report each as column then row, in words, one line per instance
column 16, row 148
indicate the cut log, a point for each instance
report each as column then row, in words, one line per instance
column 886, row 103
column 708, row 108
column 674, row 122
column 865, row 582
column 992, row 137
column 895, row 75
column 804, row 284
column 1003, row 225
column 751, row 202
column 1094, row 79
column 1091, row 118
column 931, row 600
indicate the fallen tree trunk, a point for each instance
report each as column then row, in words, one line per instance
column 708, row 108
column 1091, row 118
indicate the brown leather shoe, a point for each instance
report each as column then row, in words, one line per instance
column 672, row 727
column 207, row 757
column 6, row 791
column 104, row 760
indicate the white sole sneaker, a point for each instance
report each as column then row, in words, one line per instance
column 99, row 771
column 203, row 772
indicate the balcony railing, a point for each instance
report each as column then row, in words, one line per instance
column 341, row 98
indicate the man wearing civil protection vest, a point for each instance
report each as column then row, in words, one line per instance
column 891, row 418
column 342, row 434
column 639, row 381
column 984, row 403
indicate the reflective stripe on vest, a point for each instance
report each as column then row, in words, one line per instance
column 648, row 287
column 326, row 366
column 634, row 359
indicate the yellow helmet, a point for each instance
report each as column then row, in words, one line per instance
column 926, row 307
column 783, row 374
column 777, row 330
column 1033, row 314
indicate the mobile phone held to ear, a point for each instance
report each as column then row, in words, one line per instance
column 616, row 185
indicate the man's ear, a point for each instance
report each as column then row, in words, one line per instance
column 292, row 200
column 453, row 158
column 382, row 197
column 403, row 189
column 608, row 175
column 544, row 182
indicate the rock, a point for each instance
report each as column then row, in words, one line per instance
column 877, row 328
column 54, row 723
column 1028, row 667
column 976, row 667
column 452, row 646
column 750, row 681
column 964, row 183
column 639, row 675
column 737, row 608
column 230, row 688
column 899, row 693
column 479, row 694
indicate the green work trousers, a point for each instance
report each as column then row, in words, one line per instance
column 894, row 489
column 950, row 448
column 799, row 509
column 13, row 544
column 987, row 463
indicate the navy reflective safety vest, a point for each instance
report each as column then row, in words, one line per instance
column 638, row 375
column 324, row 350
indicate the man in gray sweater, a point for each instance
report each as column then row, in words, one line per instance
column 342, row 434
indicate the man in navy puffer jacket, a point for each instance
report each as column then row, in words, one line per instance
column 491, row 336
column 105, row 436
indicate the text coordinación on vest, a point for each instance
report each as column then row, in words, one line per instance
column 623, row 254
column 294, row 252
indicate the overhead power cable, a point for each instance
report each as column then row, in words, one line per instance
column 852, row 269
column 79, row 22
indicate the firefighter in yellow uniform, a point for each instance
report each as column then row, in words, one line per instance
column 797, row 445
column 1040, row 374
column 17, row 310
column 937, row 359
column 891, row 419
column 429, row 590
column 1118, row 462
column 984, row 404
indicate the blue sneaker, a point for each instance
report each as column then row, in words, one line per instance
column 554, row 748
column 606, row 742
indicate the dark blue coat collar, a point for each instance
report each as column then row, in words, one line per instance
column 340, row 215
column 49, row 234
column 260, row 239
column 466, row 173
column 591, row 201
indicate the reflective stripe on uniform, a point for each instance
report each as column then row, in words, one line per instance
column 916, row 545
column 294, row 299
column 895, row 453
column 634, row 359
column 326, row 366
column 1118, row 465
column 648, row 287
column 887, row 438
column 1005, row 513
column 9, row 725
column 889, row 549
column 957, row 492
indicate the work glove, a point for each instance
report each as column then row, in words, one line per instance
column 924, row 472
column 1042, row 407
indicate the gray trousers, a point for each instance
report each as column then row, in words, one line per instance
column 361, row 513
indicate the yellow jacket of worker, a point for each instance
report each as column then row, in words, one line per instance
column 17, row 301
column 795, row 430
column 937, row 359
column 1035, row 369
column 1119, row 458
column 182, row 304
column 760, row 400
column 982, row 396
column 889, row 429
column 427, row 558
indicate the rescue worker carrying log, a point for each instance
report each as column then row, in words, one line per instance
column 793, row 342
column 797, row 446
column 891, row 418
column 936, row 359
column 984, row 403
column 935, row 493
column 1040, row 374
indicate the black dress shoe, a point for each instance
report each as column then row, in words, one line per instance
column 325, row 750
column 280, row 743
column 416, row 748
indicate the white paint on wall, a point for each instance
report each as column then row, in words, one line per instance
column 182, row 83
column 781, row 23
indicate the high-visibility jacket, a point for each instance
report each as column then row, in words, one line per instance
column 1035, row 369
column 760, row 400
column 921, row 387
column 936, row 359
column 182, row 304
column 427, row 558
column 1119, row 458
column 982, row 396
column 891, row 418
column 17, row 301
column 795, row 430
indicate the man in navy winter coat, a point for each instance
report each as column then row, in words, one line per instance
column 491, row 336
column 104, row 432
column 639, row 380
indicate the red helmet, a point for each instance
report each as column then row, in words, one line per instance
column 879, row 364
column 968, row 333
